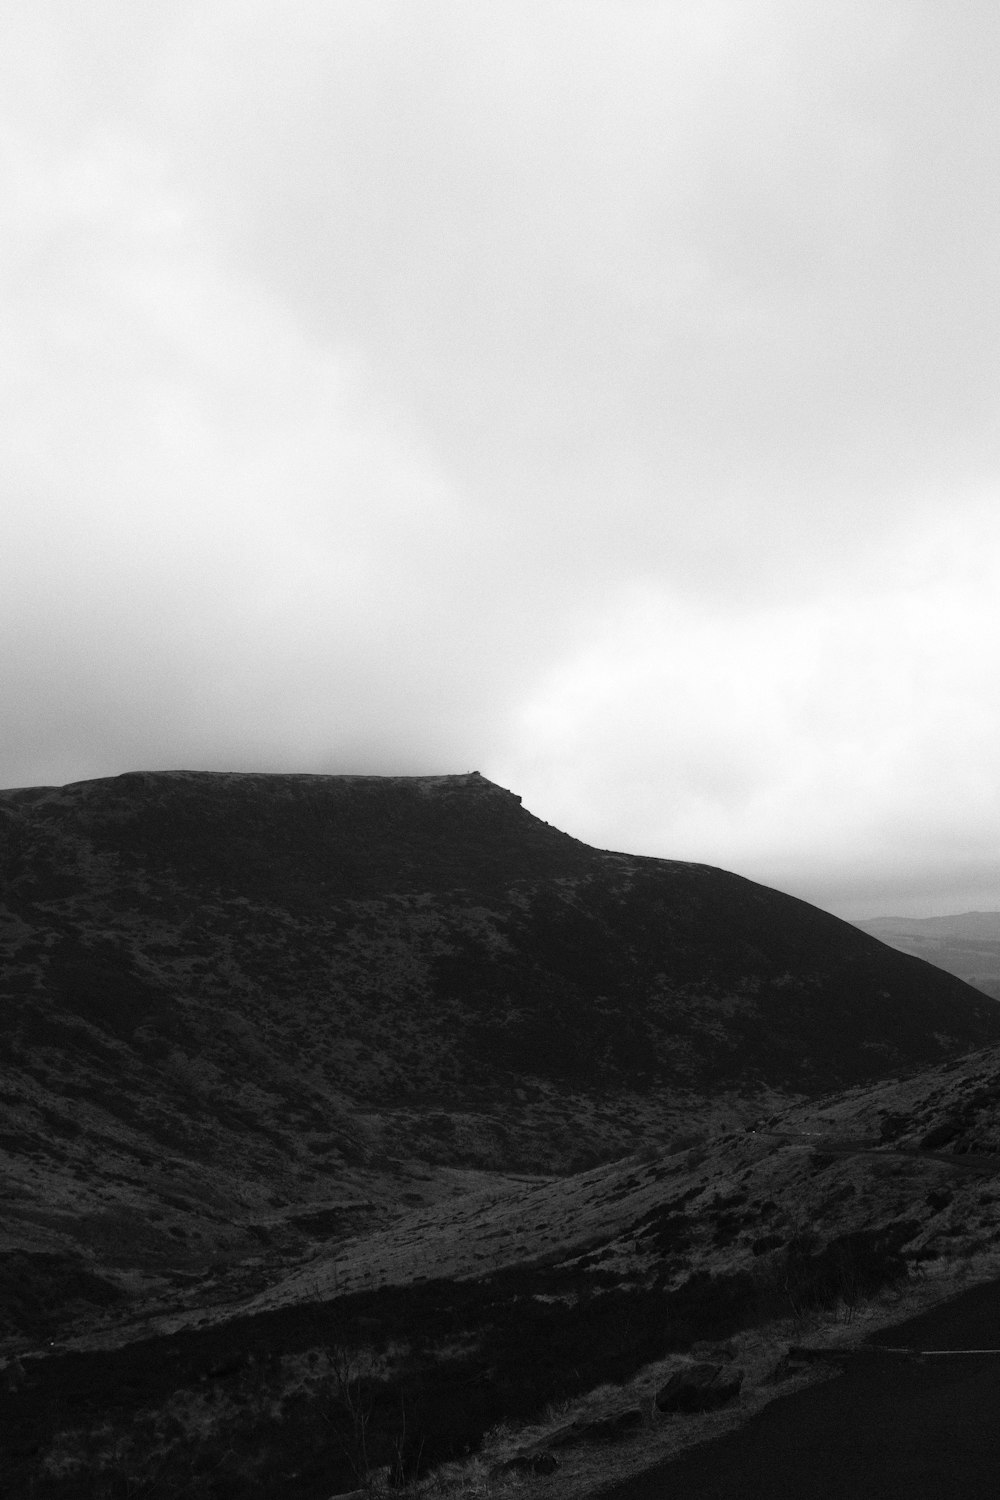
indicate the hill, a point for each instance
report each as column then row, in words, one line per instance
column 557, row 1308
column 967, row 944
column 287, row 1058
column 231, row 1001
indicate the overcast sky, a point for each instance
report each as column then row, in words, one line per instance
column 600, row 394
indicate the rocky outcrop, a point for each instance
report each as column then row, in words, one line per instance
column 531, row 1462
column 604, row 1429
column 700, row 1387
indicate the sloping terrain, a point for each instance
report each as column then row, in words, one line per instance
column 967, row 944
column 919, row 1155
column 244, row 1012
column 587, row 1291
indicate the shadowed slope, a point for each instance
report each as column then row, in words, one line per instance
column 449, row 904
column 226, row 996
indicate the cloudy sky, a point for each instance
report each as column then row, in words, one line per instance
column 601, row 394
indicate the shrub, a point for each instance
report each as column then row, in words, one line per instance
column 849, row 1267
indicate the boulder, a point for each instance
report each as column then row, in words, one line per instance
column 705, row 1349
column 606, row 1429
column 563, row 1437
column 610, row 1428
column 943, row 1134
column 541, row 1462
column 699, row 1387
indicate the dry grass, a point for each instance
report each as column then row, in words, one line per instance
column 586, row 1471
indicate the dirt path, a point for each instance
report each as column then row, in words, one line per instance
column 888, row 1428
column 972, row 1161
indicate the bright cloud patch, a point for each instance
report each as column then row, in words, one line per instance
column 855, row 733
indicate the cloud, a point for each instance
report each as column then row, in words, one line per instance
column 852, row 736
column 204, row 509
column 598, row 393
column 616, row 253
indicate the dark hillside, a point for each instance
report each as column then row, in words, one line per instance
column 299, row 840
column 227, row 998
column 445, row 906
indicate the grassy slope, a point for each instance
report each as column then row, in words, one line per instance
column 543, row 1292
column 292, row 1054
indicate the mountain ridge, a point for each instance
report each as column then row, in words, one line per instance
column 966, row 944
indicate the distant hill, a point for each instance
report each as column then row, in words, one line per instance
column 967, row 945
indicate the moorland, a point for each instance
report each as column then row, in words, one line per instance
column 357, row 1126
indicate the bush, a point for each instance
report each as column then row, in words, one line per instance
column 849, row 1267
column 37, row 1290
